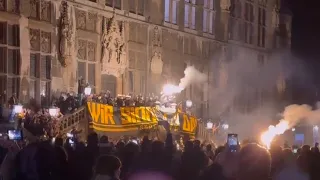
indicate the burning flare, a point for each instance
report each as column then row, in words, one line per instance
column 268, row 136
column 170, row 89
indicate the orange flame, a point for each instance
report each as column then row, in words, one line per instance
column 268, row 136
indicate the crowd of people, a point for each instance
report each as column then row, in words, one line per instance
column 125, row 100
column 39, row 122
column 100, row 159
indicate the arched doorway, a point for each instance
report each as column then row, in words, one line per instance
column 109, row 82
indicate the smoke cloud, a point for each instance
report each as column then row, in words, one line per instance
column 192, row 76
column 296, row 113
column 245, row 75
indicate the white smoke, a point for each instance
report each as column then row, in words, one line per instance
column 192, row 76
column 296, row 113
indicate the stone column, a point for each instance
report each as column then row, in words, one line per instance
column 24, row 51
column 25, row 59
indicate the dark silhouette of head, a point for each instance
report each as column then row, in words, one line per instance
column 92, row 140
column 254, row 163
column 58, row 141
column 108, row 165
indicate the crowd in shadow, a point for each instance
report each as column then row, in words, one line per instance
column 100, row 159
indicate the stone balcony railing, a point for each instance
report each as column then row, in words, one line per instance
column 73, row 120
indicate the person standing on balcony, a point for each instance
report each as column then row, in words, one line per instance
column 81, row 86
column 1, row 106
column 12, row 101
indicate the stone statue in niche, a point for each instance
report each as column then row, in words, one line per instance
column 156, row 63
column 66, row 32
column 114, row 59
column 275, row 16
column 81, row 19
column 156, row 37
column 34, row 39
column 92, row 21
column 225, row 5
column 45, row 42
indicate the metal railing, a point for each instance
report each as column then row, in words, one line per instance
column 70, row 121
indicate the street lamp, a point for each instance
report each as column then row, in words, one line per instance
column 225, row 126
column 188, row 103
column 87, row 90
column 293, row 129
column 54, row 112
column 209, row 125
column 17, row 109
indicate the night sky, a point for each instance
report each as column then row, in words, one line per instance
column 306, row 46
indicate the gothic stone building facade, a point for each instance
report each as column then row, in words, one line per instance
column 129, row 45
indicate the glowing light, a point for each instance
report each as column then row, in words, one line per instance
column 316, row 128
column 170, row 89
column 293, row 129
column 225, row 126
column 87, row 91
column 209, row 125
column 54, row 112
column 189, row 103
column 17, row 109
column 268, row 136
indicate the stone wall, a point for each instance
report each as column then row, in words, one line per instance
column 120, row 50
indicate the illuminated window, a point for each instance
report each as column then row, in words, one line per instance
column 261, row 26
column 170, row 11
column 235, row 21
column 114, row 3
column 190, row 14
column 248, row 22
column 208, row 16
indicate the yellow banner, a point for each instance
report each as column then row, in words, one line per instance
column 108, row 118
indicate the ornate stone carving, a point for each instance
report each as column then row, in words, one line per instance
column 34, row 39
column 156, row 63
column 66, row 34
column 225, row 5
column 92, row 21
column 45, row 42
column 33, row 8
column 91, row 51
column 81, row 19
column 2, row 4
column 114, row 54
column 13, row 6
column 156, row 41
column 45, row 10
column 82, row 49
